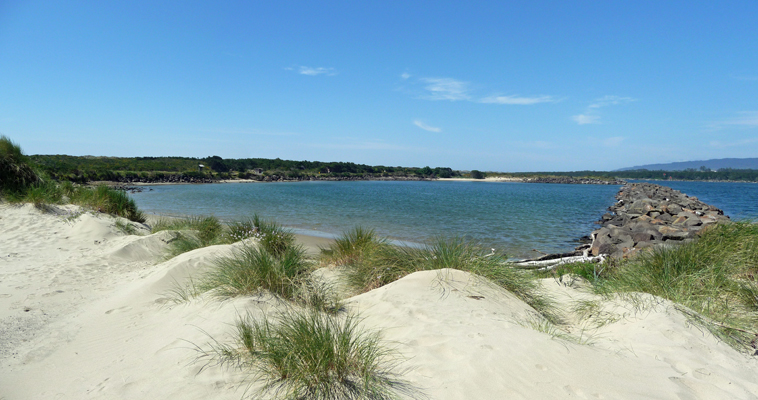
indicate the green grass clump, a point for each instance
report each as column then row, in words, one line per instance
column 19, row 182
column 305, row 354
column 16, row 173
column 41, row 194
column 252, row 269
column 111, row 201
column 714, row 278
column 371, row 262
column 203, row 231
column 271, row 236
column 195, row 232
column 349, row 247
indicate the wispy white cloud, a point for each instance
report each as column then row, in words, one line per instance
column 744, row 119
column 583, row 119
column 519, row 100
column 456, row 90
column 536, row 144
column 610, row 101
column 310, row 71
column 426, row 127
column 738, row 143
column 366, row 145
column 446, row 89
column 590, row 115
column 613, row 141
column 226, row 131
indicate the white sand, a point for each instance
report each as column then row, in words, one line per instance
column 84, row 314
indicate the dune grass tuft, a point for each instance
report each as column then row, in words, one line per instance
column 203, row 231
column 271, row 236
column 252, row 269
column 349, row 247
column 194, row 233
column 306, row 354
column 371, row 262
column 16, row 174
column 19, row 182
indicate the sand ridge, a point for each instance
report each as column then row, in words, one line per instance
column 101, row 325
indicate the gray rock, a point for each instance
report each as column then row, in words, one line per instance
column 647, row 215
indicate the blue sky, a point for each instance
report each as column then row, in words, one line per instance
column 497, row 86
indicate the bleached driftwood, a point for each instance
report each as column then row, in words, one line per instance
column 547, row 265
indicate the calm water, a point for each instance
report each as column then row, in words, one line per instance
column 514, row 217
column 738, row 200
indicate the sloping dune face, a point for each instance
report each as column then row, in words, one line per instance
column 87, row 313
column 467, row 339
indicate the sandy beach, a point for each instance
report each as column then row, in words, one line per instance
column 86, row 312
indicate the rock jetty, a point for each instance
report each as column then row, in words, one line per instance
column 647, row 215
column 573, row 181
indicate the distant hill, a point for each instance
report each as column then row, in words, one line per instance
column 734, row 163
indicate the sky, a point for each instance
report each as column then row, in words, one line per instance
column 491, row 85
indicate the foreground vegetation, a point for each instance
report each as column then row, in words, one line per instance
column 305, row 354
column 713, row 280
column 370, row 261
column 309, row 350
column 20, row 182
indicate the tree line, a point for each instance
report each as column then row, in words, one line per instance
column 88, row 168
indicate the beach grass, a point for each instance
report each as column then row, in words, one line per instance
column 713, row 280
column 99, row 198
column 350, row 247
column 16, row 173
column 251, row 269
column 269, row 234
column 370, row 262
column 306, row 354
column 21, row 183
column 202, row 231
column 194, row 233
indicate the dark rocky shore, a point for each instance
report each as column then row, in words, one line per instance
column 573, row 181
column 647, row 215
column 263, row 178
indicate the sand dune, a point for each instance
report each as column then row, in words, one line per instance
column 86, row 313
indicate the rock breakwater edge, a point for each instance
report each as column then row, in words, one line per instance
column 648, row 215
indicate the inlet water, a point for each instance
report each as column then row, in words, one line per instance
column 521, row 219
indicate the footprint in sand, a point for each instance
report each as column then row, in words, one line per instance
column 118, row 310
